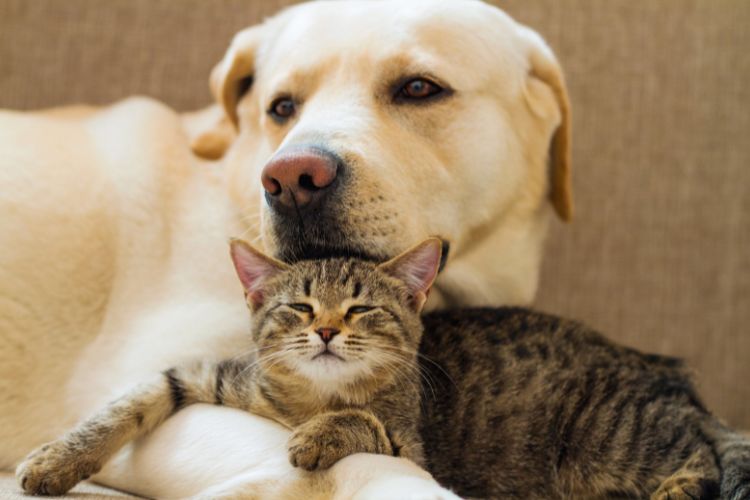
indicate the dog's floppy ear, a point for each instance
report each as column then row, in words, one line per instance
column 213, row 134
column 230, row 79
column 233, row 76
column 547, row 95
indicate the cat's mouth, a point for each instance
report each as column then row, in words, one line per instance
column 326, row 353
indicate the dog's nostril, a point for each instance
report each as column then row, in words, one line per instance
column 306, row 182
column 276, row 188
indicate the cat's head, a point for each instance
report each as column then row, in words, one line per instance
column 337, row 321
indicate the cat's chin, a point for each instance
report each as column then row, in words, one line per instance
column 330, row 370
column 328, row 357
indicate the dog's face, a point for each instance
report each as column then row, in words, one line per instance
column 367, row 126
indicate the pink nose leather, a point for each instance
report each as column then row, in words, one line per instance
column 327, row 333
column 297, row 177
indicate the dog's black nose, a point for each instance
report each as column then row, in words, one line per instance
column 299, row 176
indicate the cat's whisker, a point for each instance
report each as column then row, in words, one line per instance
column 260, row 359
column 251, row 225
column 243, row 354
column 254, row 219
column 276, row 361
column 251, row 209
column 399, row 363
column 249, row 229
column 256, row 216
column 258, row 238
column 393, row 365
column 252, row 350
column 404, row 377
column 422, row 356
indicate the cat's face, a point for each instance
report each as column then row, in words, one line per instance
column 337, row 321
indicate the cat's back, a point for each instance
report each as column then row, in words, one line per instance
column 472, row 337
column 510, row 387
column 522, row 354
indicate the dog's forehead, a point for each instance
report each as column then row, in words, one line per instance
column 379, row 30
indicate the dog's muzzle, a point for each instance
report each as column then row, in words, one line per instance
column 304, row 187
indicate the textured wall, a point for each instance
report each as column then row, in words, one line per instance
column 659, row 254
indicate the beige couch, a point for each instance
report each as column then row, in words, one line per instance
column 659, row 253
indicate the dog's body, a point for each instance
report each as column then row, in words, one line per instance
column 115, row 259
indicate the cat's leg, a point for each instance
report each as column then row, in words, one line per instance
column 406, row 443
column 326, row 438
column 698, row 478
column 56, row 467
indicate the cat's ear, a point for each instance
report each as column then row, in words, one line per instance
column 254, row 270
column 417, row 268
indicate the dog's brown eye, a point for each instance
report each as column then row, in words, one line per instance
column 282, row 108
column 303, row 308
column 419, row 88
column 359, row 310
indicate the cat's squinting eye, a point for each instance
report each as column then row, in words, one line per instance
column 303, row 308
column 359, row 309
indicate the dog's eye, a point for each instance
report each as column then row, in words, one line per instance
column 303, row 308
column 282, row 108
column 358, row 310
column 418, row 89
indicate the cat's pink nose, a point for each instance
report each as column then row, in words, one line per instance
column 327, row 333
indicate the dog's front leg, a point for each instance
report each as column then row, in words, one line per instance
column 213, row 452
column 200, row 448
column 366, row 476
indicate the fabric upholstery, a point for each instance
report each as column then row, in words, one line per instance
column 658, row 255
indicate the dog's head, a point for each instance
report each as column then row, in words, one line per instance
column 367, row 126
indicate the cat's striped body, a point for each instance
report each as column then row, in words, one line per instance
column 530, row 405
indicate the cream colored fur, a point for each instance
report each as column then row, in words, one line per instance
column 114, row 262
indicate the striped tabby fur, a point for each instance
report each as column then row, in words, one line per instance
column 528, row 405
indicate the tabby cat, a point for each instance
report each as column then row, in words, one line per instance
column 514, row 404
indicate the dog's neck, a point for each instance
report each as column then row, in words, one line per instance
column 501, row 267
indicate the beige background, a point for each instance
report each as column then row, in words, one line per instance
column 659, row 254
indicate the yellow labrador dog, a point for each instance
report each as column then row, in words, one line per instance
column 341, row 128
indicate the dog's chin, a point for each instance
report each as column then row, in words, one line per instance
column 314, row 251
column 320, row 239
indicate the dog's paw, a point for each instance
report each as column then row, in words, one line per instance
column 686, row 487
column 52, row 469
column 314, row 451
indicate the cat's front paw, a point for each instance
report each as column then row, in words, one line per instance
column 686, row 487
column 327, row 438
column 52, row 469
column 312, row 451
